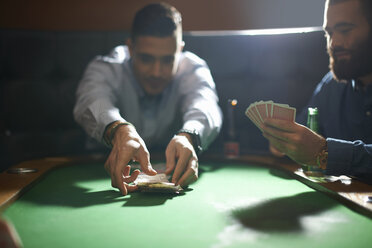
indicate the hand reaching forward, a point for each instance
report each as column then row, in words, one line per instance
column 182, row 160
column 297, row 141
column 127, row 146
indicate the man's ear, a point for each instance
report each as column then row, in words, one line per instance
column 182, row 45
column 130, row 45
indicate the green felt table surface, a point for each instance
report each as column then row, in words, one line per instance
column 231, row 205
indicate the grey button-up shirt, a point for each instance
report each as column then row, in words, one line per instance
column 109, row 92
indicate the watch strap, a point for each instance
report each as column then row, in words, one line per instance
column 111, row 129
column 195, row 139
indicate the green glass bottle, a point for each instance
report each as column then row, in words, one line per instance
column 312, row 119
column 313, row 124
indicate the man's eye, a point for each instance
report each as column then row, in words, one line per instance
column 345, row 30
column 168, row 60
column 146, row 59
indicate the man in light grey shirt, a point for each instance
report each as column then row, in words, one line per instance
column 150, row 93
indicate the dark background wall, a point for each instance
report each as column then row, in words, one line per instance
column 46, row 44
column 197, row 14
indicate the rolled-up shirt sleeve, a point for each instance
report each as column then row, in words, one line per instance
column 352, row 158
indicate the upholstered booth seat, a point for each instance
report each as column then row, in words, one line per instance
column 40, row 70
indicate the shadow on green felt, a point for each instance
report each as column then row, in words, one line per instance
column 139, row 199
column 62, row 188
column 283, row 214
column 78, row 197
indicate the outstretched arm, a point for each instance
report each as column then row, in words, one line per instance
column 202, row 121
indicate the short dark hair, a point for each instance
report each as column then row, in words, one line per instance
column 365, row 4
column 156, row 19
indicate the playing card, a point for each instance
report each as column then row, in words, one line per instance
column 282, row 112
column 262, row 110
column 256, row 115
column 251, row 117
column 161, row 187
column 158, row 178
column 269, row 106
column 158, row 183
column 257, row 112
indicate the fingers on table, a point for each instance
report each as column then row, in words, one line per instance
column 122, row 178
column 191, row 174
column 117, row 178
column 143, row 157
column 170, row 156
column 181, row 166
column 186, row 170
column 128, row 178
column 120, row 172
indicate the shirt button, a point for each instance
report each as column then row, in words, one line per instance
column 368, row 113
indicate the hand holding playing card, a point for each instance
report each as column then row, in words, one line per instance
column 257, row 112
column 275, row 151
column 297, row 141
column 277, row 123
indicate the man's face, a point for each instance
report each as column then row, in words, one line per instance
column 155, row 61
column 348, row 40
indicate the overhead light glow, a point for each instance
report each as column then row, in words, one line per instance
column 273, row 31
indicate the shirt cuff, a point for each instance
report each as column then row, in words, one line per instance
column 105, row 119
column 340, row 154
column 198, row 127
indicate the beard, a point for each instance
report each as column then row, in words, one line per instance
column 359, row 64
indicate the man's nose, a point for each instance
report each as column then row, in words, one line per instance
column 336, row 41
column 156, row 69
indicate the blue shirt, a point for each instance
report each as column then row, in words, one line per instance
column 345, row 119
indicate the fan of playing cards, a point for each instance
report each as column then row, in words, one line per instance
column 257, row 112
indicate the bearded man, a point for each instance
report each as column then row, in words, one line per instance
column 343, row 144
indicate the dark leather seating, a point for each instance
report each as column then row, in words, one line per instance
column 40, row 70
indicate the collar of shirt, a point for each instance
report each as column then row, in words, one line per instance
column 365, row 91
column 356, row 85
